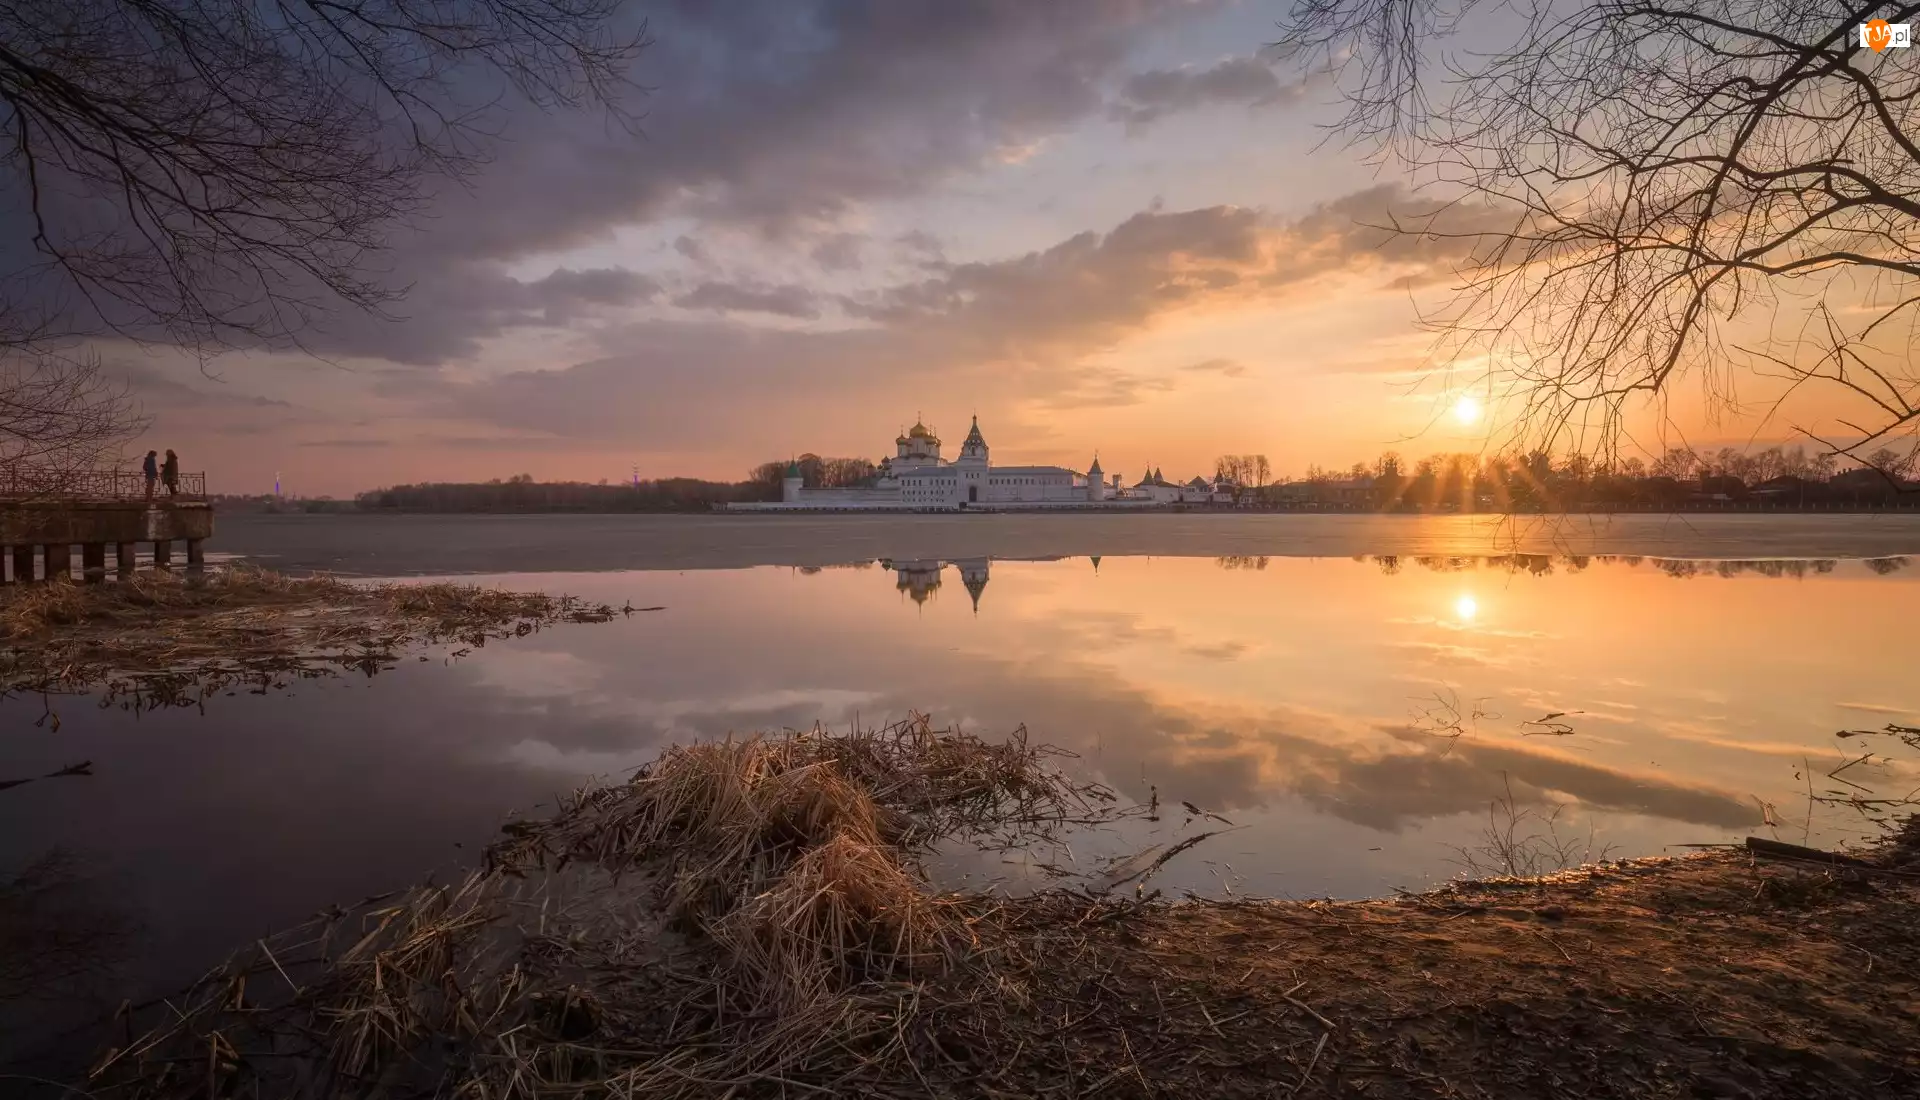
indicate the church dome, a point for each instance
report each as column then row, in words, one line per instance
column 974, row 438
column 920, row 431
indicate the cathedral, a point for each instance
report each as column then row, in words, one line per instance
column 918, row 476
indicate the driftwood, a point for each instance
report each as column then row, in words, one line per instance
column 1774, row 849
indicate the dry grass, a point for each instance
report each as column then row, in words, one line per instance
column 749, row 918
column 164, row 639
column 755, row 908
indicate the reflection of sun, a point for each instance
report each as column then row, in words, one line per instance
column 1467, row 409
column 1466, row 607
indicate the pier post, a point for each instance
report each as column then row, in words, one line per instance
column 93, row 562
column 23, row 564
column 58, row 557
column 124, row 553
column 196, row 557
column 163, row 553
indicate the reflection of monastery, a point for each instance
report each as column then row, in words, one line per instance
column 919, row 578
column 917, row 477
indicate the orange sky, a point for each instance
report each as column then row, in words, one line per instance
column 1110, row 229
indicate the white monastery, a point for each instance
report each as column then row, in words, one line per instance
column 919, row 478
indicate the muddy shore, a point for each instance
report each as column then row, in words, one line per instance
column 164, row 639
column 747, row 918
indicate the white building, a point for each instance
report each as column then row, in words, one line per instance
column 918, row 477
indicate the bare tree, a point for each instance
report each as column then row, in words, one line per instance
column 1698, row 188
column 206, row 170
column 60, row 417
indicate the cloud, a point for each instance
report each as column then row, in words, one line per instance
column 1226, row 367
column 1023, row 331
column 839, row 252
column 786, row 300
column 449, row 315
column 691, row 249
column 562, row 294
column 1244, row 81
column 773, row 116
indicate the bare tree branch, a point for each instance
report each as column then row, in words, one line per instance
column 1680, row 176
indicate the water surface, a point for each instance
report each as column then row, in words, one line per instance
column 1355, row 719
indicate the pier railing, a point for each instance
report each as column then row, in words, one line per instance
column 44, row 483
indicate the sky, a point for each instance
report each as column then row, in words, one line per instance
column 1112, row 227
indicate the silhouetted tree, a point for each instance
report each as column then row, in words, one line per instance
column 1668, row 174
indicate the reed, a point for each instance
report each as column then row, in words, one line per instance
column 164, row 639
column 738, row 911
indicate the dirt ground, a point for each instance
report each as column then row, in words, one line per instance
column 1713, row 976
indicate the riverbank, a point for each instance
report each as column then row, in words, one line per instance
column 749, row 918
column 163, row 639
column 388, row 546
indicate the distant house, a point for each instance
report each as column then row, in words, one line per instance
column 1354, row 492
column 1786, row 489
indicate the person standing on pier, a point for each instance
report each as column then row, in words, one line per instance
column 152, row 471
column 170, row 472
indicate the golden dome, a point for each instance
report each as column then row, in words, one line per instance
column 919, row 431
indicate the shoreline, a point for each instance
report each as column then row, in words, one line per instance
column 447, row 545
column 747, row 918
column 160, row 639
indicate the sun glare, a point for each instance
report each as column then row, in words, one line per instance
column 1467, row 410
column 1466, row 607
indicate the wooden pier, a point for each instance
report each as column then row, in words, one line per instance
column 41, row 524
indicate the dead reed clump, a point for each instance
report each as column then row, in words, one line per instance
column 755, row 913
column 164, row 639
column 844, row 913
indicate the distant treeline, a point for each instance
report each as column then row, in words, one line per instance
column 1680, row 478
column 671, row 494
column 1779, row 478
column 523, row 494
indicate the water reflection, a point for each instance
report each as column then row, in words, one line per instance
column 1358, row 717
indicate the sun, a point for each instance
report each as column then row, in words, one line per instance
column 1466, row 607
column 1467, row 409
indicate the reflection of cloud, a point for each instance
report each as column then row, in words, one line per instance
column 1237, row 758
column 1085, row 631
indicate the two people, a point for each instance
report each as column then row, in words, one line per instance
column 167, row 472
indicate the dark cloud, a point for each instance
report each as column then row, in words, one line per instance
column 772, row 113
column 784, row 300
column 156, row 391
column 775, row 115
column 839, row 251
column 1246, row 81
column 563, row 293
column 691, row 249
column 920, row 246
column 446, row 317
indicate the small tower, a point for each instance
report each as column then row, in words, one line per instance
column 790, row 484
column 971, row 466
column 1096, row 487
column 975, row 448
